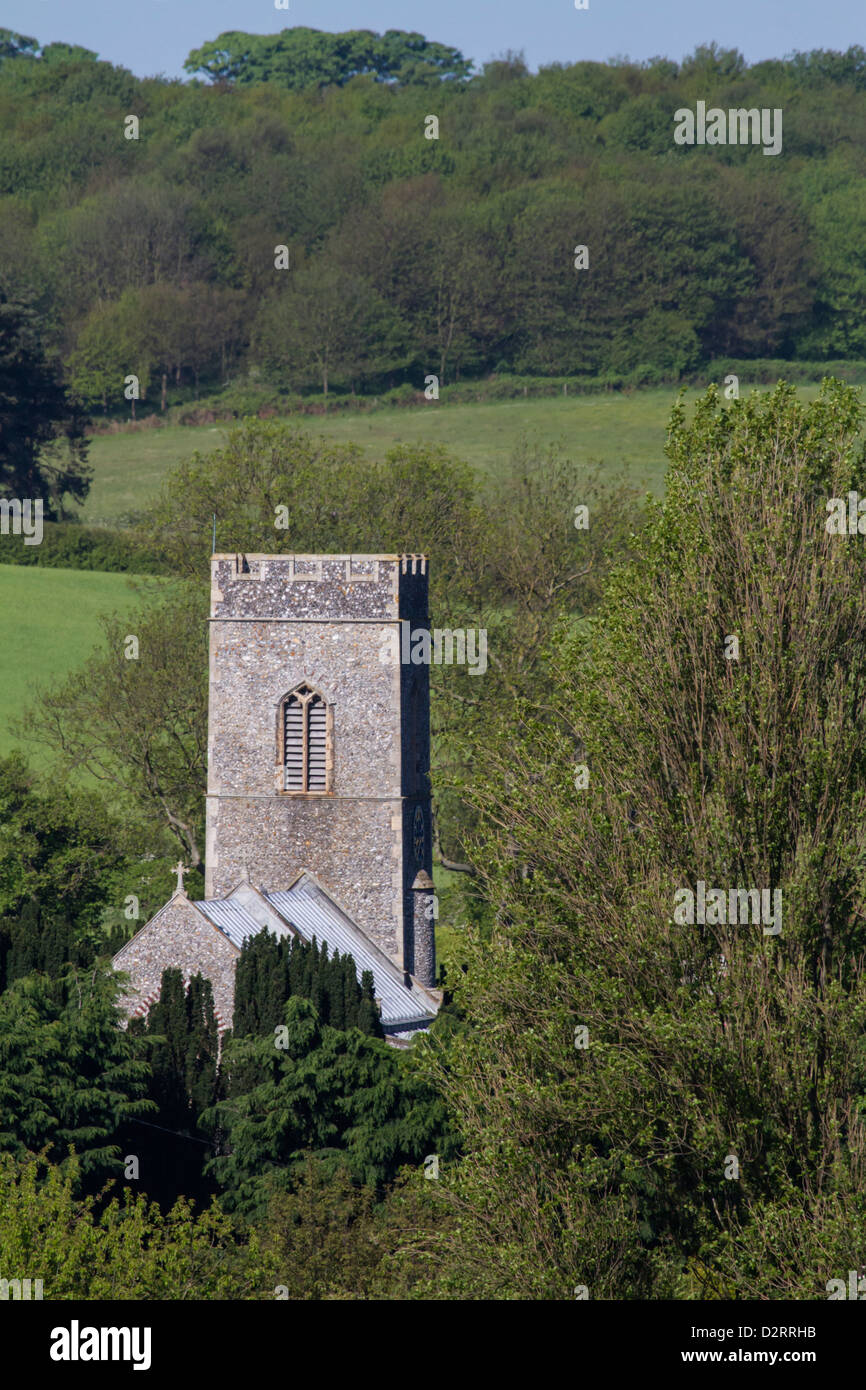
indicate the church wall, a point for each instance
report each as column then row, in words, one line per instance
column 353, row 847
column 256, row 663
column 181, row 937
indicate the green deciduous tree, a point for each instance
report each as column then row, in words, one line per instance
column 605, row 1159
column 124, row 1249
column 14, row 45
column 110, row 348
column 300, row 57
column 138, row 723
column 328, row 325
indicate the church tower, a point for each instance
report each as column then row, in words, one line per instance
column 319, row 739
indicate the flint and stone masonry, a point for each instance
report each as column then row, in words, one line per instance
column 331, row 622
column 180, row 936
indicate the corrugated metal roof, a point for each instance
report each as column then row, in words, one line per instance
column 313, row 914
column 230, row 918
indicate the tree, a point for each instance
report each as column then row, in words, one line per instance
column 182, row 1029
column 347, row 1099
column 437, row 264
column 124, row 1248
column 139, row 725
column 131, row 234
column 39, row 940
column 60, row 854
column 338, row 500
column 822, row 66
column 649, row 296
column 329, row 1237
column 771, row 311
column 69, row 1074
column 463, row 309
column 16, row 45
column 839, row 222
column 54, row 53
column 271, row 970
column 197, row 327
column 610, row 1150
column 300, row 57
column 330, row 323
column 167, row 1020
column 110, row 347
column 322, row 1236
column 43, row 452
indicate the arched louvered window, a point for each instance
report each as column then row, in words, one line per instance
column 305, row 737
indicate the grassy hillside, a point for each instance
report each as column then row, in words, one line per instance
column 49, row 622
column 49, row 617
column 626, row 431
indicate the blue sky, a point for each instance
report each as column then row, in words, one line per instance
column 154, row 36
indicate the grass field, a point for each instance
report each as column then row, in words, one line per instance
column 49, row 623
column 625, row 431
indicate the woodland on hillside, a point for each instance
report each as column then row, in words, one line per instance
column 408, row 256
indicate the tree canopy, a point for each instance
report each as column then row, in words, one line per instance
column 699, row 1129
column 300, row 57
column 408, row 256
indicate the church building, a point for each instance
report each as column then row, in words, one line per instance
column 318, row 795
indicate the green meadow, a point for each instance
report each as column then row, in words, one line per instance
column 625, row 431
column 49, row 623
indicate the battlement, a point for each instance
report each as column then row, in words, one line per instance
column 310, row 588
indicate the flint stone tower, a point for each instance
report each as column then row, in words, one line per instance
column 319, row 739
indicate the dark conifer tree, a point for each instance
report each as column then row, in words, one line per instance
column 369, row 1020
column 351, row 992
column 168, row 1020
column 333, row 976
column 201, row 1047
column 296, row 966
column 271, row 971
column 241, row 1009
column 274, row 992
column 23, row 954
column 57, row 944
column 323, row 976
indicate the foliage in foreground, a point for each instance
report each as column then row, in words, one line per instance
column 127, row 1249
column 327, row 1238
column 710, row 1050
column 69, row 1075
column 348, row 1099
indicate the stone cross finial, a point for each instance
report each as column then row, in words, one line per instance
column 180, row 869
